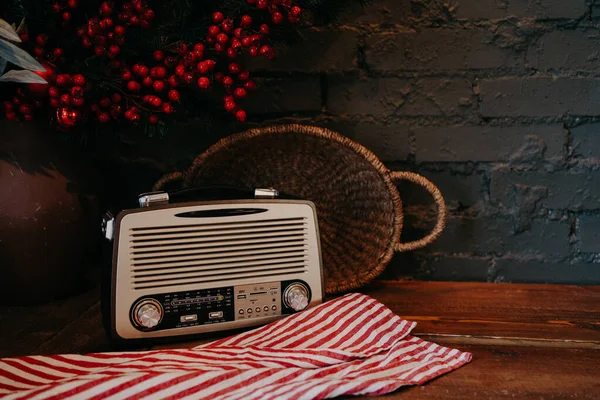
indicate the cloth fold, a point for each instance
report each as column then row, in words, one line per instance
column 352, row 345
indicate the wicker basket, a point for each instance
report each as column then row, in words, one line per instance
column 358, row 205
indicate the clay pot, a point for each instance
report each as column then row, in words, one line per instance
column 48, row 218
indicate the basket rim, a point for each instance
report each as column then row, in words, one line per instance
column 326, row 134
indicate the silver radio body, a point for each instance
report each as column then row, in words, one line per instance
column 197, row 267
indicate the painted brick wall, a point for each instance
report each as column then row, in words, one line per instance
column 496, row 101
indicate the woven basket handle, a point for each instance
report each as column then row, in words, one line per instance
column 166, row 179
column 440, row 223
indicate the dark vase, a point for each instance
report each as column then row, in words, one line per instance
column 48, row 215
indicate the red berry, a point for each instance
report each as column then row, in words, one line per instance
column 292, row 19
column 159, row 55
column 134, row 20
column 8, row 107
column 24, row 37
column 149, row 15
column 99, row 50
column 116, row 98
column 147, row 98
column 229, row 105
column 219, row 48
column 147, row 81
column 77, row 91
column 202, row 67
column 218, row 76
column 203, row 82
column 227, row 25
column 16, row 101
column 66, row 16
column 250, row 85
column 63, row 80
column 116, row 110
column 79, row 80
column 265, row 50
column 141, row 71
column 53, row 91
column 56, row 8
column 239, row 93
column 264, row 29
column 113, row 50
column 237, row 32
column 25, row 109
column 11, row 116
column 133, row 86
column 295, row 11
column 199, row 47
column 104, row 102
column 213, row 30
column 158, row 86
column 108, row 22
column 246, row 20
column 251, row 2
column 211, row 64
column 135, row 118
column 218, row 17
column 119, row 30
column 222, row 38
column 28, row 117
column 54, row 102
column 128, row 114
column 78, row 102
column 253, row 51
column 153, row 119
column 58, row 52
column 188, row 78
column 210, row 40
column 167, row 108
column 277, row 17
column 243, row 76
column 247, row 41
column 86, row 42
column 105, row 9
column 156, row 102
column 103, row 117
column 173, row 81
column 160, row 72
column 240, row 115
column 261, row 4
column 173, row 95
column 126, row 76
column 41, row 40
column 227, row 81
column 179, row 70
column 231, row 53
column 39, row 52
column 72, row 3
column 234, row 68
column 65, row 99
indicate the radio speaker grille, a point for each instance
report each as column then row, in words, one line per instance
column 165, row 256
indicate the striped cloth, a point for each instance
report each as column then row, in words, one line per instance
column 353, row 345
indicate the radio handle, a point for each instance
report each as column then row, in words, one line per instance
column 205, row 193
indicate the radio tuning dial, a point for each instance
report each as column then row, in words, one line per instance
column 148, row 313
column 296, row 296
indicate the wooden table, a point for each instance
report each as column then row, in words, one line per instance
column 528, row 341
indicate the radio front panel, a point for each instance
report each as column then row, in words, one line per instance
column 246, row 264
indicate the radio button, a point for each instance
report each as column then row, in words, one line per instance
column 215, row 314
column 148, row 313
column 188, row 318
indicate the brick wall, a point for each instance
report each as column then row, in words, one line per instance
column 496, row 101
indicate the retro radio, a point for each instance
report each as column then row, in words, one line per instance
column 185, row 267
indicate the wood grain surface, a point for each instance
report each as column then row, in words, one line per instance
column 528, row 341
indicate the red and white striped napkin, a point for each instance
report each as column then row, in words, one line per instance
column 353, row 345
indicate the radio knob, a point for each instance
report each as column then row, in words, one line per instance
column 148, row 314
column 296, row 297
